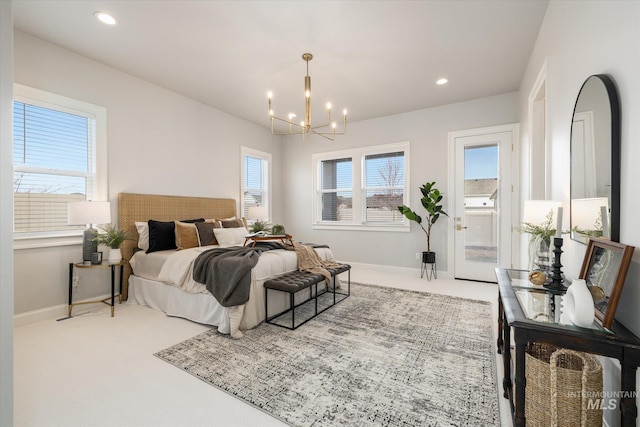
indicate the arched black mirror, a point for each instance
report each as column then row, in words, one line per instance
column 595, row 161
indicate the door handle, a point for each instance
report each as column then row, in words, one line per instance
column 460, row 227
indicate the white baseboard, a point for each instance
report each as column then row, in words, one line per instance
column 394, row 269
column 59, row 311
column 55, row 312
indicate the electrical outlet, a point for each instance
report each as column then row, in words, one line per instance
column 76, row 280
column 417, row 255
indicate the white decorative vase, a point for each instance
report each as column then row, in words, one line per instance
column 577, row 304
column 115, row 255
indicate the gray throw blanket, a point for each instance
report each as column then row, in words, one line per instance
column 226, row 272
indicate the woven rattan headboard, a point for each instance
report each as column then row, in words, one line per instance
column 143, row 207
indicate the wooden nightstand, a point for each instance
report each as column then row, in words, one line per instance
column 113, row 280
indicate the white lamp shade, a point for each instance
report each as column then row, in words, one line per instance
column 585, row 213
column 536, row 211
column 258, row 212
column 85, row 212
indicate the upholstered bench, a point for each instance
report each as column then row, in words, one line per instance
column 295, row 281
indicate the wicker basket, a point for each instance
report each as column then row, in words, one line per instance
column 575, row 379
column 559, row 385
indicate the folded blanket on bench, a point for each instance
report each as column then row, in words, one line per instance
column 308, row 260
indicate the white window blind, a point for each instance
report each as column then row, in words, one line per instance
column 53, row 160
column 384, row 187
column 59, row 155
column 336, row 186
column 255, row 179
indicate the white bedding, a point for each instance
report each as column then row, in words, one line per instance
column 148, row 266
column 200, row 308
column 175, row 268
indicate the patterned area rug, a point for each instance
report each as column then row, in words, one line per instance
column 382, row 357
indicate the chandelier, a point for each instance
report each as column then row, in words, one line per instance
column 327, row 130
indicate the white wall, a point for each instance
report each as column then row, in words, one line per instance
column 428, row 132
column 158, row 142
column 579, row 39
column 6, row 214
column 163, row 143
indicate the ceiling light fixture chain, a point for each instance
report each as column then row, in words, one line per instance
column 305, row 127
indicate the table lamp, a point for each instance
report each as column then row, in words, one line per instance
column 536, row 211
column 88, row 213
column 258, row 213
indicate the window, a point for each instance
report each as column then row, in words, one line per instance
column 336, row 182
column 59, row 155
column 384, row 187
column 256, row 180
column 362, row 188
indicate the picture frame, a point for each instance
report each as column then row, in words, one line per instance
column 604, row 268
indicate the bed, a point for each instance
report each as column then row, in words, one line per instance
column 163, row 279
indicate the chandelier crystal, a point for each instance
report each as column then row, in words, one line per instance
column 327, row 130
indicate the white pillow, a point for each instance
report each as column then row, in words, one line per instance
column 143, row 235
column 230, row 236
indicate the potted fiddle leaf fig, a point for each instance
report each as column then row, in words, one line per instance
column 431, row 198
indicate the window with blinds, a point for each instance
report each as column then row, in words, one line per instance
column 59, row 156
column 53, row 163
column 255, row 180
column 384, row 187
column 336, row 184
column 361, row 188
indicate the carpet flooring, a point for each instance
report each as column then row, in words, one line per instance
column 382, row 357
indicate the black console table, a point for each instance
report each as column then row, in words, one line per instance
column 530, row 311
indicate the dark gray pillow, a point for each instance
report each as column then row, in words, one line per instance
column 205, row 233
column 232, row 223
column 192, row 220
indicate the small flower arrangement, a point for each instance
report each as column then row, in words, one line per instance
column 543, row 231
column 596, row 231
column 260, row 226
column 112, row 237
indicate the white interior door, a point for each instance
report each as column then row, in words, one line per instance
column 583, row 180
column 483, row 194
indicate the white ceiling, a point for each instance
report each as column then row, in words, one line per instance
column 375, row 58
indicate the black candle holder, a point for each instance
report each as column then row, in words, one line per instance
column 557, row 278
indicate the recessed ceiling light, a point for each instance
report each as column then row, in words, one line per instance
column 105, row 18
column 442, row 81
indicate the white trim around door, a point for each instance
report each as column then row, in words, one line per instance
column 508, row 249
